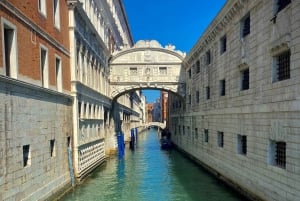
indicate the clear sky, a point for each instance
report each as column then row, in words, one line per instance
column 175, row 22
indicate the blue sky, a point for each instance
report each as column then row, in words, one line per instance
column 175, row 22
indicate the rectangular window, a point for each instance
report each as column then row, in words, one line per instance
column 133, row 71
column 277, row 153
column 222, row 87
column 208, row 57
column 207, row 93
column 281, row 4
column 183, row 130
column 56, row 13
column 163, row 70
column 197, row 97
column 220, row 139
column 189, row 99
column 58, row 74
column 26, row 155
column 52, row 148
column 281, row 66
column 42, row 7
column 196, row 133
column 245, row 79
column 190, row 73
column 10, row 56
column 223, row 44
column 44, row 66
column 245, row 26
column 242, row 144
column 69, row 142
column 206, row 135
column 197, row 66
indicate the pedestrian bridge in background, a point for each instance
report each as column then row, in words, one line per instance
column 147, row 65
column 155, row 124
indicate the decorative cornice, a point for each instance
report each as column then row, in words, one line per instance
column 225, row 16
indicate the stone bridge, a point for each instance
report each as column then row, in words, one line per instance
column 156, row 124
column 147, row 65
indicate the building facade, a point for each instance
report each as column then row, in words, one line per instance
column 35, row 105
column 57, row 118
column 97, row 29
column 241, row 115
column 164, row 106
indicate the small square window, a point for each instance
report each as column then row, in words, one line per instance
column 281, row 66
column 242, row 144
column 163, row 70
column 223, row 44
column 206, row 135
column 245, row 26
column 133, row 71
column 222, row 87
column 26, row 155
column 277, row 153
column 245, row 79
column 220, row 139
column 52, row 148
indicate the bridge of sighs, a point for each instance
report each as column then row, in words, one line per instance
column 147, row 65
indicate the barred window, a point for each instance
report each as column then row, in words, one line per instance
column 220, row 139
column 277, row 153
column 282, row 66
column 245, row 79
column 206, row 135
column 223, row 44
column 245, row 25
column 242, row 144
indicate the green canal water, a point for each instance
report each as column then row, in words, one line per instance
column 151, row 174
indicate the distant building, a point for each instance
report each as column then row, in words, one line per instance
column 149, row 107
column 157, row 111
column 164, row 106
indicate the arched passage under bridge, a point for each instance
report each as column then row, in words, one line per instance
column 147, row 65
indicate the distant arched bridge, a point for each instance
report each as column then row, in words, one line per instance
column 147, row 66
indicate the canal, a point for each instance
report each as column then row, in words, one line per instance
column 151, row 174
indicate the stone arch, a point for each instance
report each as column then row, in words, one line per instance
column 147, row 65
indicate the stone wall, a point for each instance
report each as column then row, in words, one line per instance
column 238, row 133
column 35, row 132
